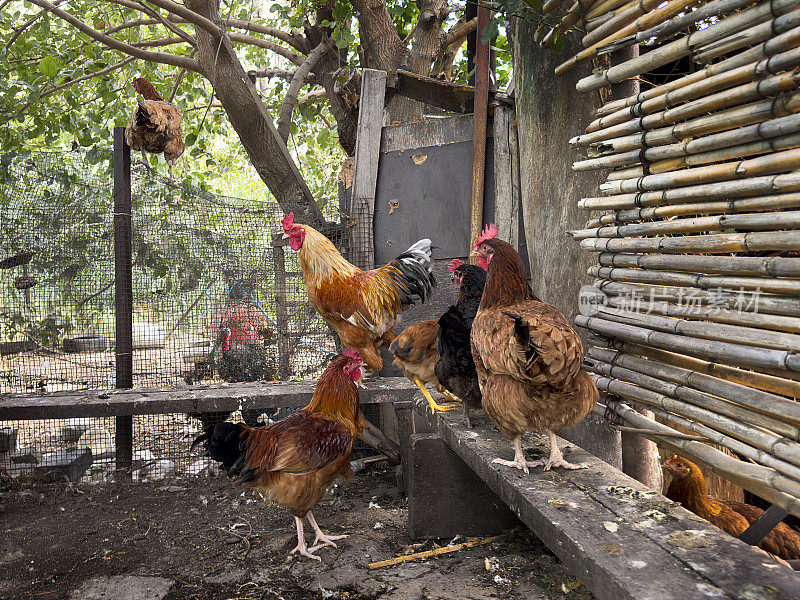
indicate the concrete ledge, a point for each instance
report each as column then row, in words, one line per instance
column 621, row 539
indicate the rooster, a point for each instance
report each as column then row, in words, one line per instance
column 292, row 462
column 455, row 370
column 688, row 486
column 528, row 359
column 416, row 353
column 155, row 125
column 362, row 306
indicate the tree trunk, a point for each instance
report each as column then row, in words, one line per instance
column 252, row 123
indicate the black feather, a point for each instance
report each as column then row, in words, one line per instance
column 222, row 444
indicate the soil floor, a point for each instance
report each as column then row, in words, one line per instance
column 207, row 541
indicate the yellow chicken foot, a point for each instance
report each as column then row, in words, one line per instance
column 301, row 547
column 321, row 539
column 519, row 461
column 451, row 397
column 431, row 402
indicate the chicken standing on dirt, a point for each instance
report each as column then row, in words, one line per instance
column 415, row 349
column 155, row 125
column 528, row 359
column 455, row 370
column 292, row 462
column 688, row 486
column 362, row 306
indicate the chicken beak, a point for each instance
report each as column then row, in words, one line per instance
column 285, row 236
column 474, row 252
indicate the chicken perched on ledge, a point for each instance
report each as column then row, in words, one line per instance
column 455, row 369
column 155, row 125
column 292, row 462
column 362, row 306
column 528, row 359
column 688, row 486
column 415, row 349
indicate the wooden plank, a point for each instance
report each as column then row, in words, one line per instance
column 430, row 132
column 435, row 92
column 136, row 401
column 123, row 266
column 621, row 539
column 365, row 177
column 281, row 309
column 506, row 175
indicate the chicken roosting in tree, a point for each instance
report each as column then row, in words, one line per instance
column 362, row 306
column 155, row 125
column 292, row 462
column 528, row 359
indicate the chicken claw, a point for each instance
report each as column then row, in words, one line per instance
column 451, row 397
column 301, row 547
column 327, row 540
column 434, row 406
column 556, row 458
column 523, row 464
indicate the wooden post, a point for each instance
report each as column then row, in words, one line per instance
column 405, row 428
column 479, row 135
column 123, row 294
column 506, row 175
column 365, row 177
column 281, row 310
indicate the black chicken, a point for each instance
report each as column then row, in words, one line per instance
column 455, row 369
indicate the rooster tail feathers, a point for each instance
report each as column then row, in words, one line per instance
column 142, row 114
column 414, row 275
column 223, row 444
column 522, row 333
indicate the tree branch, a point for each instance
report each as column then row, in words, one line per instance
column 171, row 26
column 270, row 73
column 189, row 15
column 130, row 25
column 21, row 28
column 179, row 78
column 267, row 45
column 159, row 57
column 285, row 115
column 296, row 42
column 159, row 42
column 460, row 31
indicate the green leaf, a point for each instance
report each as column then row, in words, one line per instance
column 191, row 139
column 491, row 30
column 49, row 66
column 559, row 44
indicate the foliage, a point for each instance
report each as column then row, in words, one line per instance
column 530, row 10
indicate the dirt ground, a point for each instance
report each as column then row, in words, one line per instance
column 216, row 542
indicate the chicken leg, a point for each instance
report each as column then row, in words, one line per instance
column 431, row 402
column 326, row 540
column 301, row 547
column 556, row 459
column 519, row 461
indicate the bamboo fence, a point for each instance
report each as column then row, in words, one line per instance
column 696, row 228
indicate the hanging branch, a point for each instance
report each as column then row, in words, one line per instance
column 290, row 101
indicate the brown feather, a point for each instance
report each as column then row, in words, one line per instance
column 415, row 352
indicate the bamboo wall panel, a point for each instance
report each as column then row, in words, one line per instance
column 695, row 231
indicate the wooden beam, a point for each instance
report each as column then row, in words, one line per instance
column 621, row 539
column 208, row 398
column 506, row 175
column 365, row 176
column 435, row 92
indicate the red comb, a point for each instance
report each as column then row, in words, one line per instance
column 287, row 222
column 454, row 264
column 489, row 232
column 352, row 354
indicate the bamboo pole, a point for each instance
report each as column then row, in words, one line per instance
column 770, row 445
column 623, row 25
column 765, row 17
column 739, row 300
column 733, row 97
column 713, row 244
column 761, row 285
column 603, row 7
column 752, row 167
column 438, row 551
column 687, row 154
column 746, row 73
column 766, row 266
column 753, row 379
column 734, row 334
column 769, row 404
column 762, row 52
column 756, row 478
column 765, row 433
column 753, row 186
column 738, row 354
column 746, row 221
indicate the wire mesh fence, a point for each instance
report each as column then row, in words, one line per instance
column 215, row 297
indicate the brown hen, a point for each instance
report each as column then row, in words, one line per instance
column 528, row 359
column 688, row 486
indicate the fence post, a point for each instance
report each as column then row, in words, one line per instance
column 281, row 309
column 123, row 295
